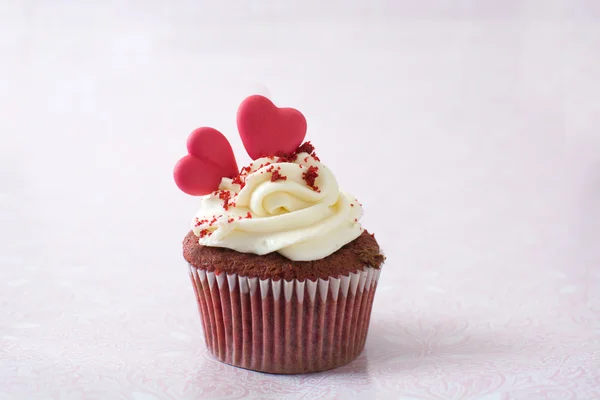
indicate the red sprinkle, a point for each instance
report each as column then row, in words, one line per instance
column 225, row 195
column 200, row 222
column 205, row 232
column 248, row 215
column 306, row 147
column 230, row 220
column 310, row 176
column 287, row 157
column 351, row 204
column 276, row 176
column 238, row 181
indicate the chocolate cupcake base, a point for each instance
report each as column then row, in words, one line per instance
column 284, row 326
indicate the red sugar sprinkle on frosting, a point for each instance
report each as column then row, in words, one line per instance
column 287, row 157
column 306, row 147
column 205, row 232
column 276, row 176
column 238, row 181
column 225, row 195
column 249, row 215
column 310, row 176
column 200, row 222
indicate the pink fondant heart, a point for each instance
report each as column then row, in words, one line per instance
column 209, row 159
column 267, row 130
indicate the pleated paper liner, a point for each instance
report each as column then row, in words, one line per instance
column 285, row 327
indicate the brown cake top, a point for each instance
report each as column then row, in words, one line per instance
column 361, row 252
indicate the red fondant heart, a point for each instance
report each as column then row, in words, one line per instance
column 209, row 159
column 267, row 130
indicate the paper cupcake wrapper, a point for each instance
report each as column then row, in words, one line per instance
column 285, row 326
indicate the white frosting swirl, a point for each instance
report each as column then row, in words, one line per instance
column 263, row 215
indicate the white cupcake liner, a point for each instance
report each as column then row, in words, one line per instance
column 283, row 326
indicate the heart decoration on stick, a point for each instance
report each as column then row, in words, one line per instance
column 209, row 159
column 267, row 130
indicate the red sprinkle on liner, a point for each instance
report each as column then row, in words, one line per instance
column 205, row 232
column 310, row 176
column 276, row 176
column 248, row 215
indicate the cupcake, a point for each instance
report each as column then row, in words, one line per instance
column 283, row 272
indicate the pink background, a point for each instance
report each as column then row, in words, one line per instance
column 469, row 133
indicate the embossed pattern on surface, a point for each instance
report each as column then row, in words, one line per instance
column 482, row 122
column 91, row 340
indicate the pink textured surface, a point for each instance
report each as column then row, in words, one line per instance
column 482, row 123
